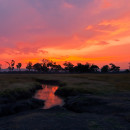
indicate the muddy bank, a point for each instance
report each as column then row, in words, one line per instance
column 51, row 82
column 74, row 101
column 19, row 106
column 62, row 119
column 97, row 104
column 9, row 96
column 65, row 92
column 113, row 104
column 17, row 101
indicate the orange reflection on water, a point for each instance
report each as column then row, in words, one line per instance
column 47, row 94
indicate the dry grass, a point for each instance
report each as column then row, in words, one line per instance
column 83, row 83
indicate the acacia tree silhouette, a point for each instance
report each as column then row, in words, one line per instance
column 11, row 65
column 114, row 68
column 19, row 65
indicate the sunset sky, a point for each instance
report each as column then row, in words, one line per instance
column 94, row 31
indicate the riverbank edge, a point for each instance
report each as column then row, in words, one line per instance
column 18, row 101
column 12, row 102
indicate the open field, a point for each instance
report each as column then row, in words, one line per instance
column 92, row 101
column 82, row 83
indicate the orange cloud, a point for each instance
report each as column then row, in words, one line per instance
column 111, row 29
column 85, row 30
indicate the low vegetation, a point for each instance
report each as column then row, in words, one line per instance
column 93, row 93
column 71, row 83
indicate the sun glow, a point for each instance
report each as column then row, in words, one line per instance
column 86, row 31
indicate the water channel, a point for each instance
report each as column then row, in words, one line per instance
column 48, row 95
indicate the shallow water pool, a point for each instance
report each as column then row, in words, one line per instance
column 48, row 94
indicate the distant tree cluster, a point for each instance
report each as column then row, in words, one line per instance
column 12, row 65
column 111, row 68
column 45, row 66
column 50, row 66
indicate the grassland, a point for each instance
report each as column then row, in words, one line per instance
column 71, row 83
column 114, row 88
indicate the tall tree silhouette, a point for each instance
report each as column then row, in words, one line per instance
column 80, row 68
column 19, row 65
column 37, row 67
column 69, row 66
column 29, row 66
column 45, row 65
column 11, row 65
column 94, row 68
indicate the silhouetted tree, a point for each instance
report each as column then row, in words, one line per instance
column 29, row 66
column 94, row 68
column 127, row 71
column 105, row 69
column 11, row 65
column 44, row 68
column 37, row 67
column 46, row 64
column 57, row 68
column 87, row 67
column 69, row 66
column 81, row 68
column 52, row 65
column 0, row 66
column 114, row 68
column 19, row 65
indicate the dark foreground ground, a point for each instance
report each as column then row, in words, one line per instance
column 92, row 102
column 61, row 119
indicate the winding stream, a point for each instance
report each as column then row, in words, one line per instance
column 48, row 94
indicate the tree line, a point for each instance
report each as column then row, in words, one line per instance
column 50, row 66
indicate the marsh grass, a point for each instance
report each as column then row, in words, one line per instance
column 17, row 86
column 75, row 83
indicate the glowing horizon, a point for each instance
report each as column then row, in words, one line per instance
column 94, row 31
